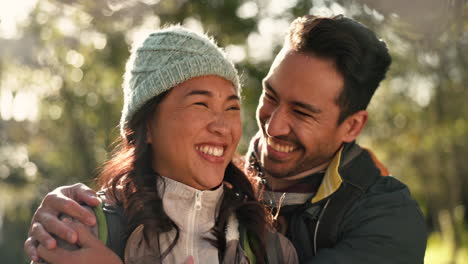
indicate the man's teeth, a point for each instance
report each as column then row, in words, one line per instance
column 211, row 150
column 279, row 147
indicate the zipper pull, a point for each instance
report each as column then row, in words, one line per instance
column 198, row 204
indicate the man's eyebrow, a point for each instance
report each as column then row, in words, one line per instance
column 210, row 94
column 308, row 107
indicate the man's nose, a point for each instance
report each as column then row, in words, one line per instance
column 278, row 123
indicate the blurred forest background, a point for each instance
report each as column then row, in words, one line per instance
column 61, row 65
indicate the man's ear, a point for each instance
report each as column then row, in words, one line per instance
column 353, row 125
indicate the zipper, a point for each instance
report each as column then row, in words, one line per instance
column 197, row 206
column 317, row 226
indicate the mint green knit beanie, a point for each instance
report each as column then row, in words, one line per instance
column 166, row 58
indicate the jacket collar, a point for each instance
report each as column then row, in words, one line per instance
column 332, row 179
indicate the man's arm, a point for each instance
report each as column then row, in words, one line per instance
column 63, row 200
column 387, row 227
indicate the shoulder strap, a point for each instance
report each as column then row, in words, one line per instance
column 111, row 223
column 116, row 224
column 101, row 223
column 273, row 248
column 246, row 246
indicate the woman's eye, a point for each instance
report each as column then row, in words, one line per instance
column 201, row 103
column 234, row 108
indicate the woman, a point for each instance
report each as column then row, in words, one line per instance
column 172, row 176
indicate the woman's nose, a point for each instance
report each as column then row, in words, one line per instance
column 219, row 125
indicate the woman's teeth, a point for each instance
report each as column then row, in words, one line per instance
column 279, row 147
column 211, row 150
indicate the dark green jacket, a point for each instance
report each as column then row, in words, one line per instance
column 357, row 215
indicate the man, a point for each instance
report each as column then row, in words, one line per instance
column 328, row 194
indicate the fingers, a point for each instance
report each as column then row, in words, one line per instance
column 30, row 249
column 54, row 256
column 45, row 220
column 58, row 203
column 38, row 233
column 86, row 238
column 51, row 224
column 83, row 193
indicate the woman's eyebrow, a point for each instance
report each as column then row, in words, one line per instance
column 233, row 98
column 199, row 92
column 210, row 94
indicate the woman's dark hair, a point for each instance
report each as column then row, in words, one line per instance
column 129, row 179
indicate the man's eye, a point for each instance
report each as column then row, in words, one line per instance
column 270, row 98
column 201, row 103
column 302, row 113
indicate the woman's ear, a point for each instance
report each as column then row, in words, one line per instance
column 353, row 125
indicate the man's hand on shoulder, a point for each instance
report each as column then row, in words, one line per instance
column 63, row 200
column 91, row 249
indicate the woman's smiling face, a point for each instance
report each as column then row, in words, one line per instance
column 195, row 130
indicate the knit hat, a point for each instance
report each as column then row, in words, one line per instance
column 166, row 58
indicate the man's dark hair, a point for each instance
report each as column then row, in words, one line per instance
column 359, row 56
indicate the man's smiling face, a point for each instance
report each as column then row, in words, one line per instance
column 298, row 114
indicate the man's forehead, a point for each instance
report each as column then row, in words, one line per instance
column 305, row 78
column 280, row 57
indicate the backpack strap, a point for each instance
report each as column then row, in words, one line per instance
column 273, row 248
column 246, row 246
column 115, row 226
column 101, row 222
